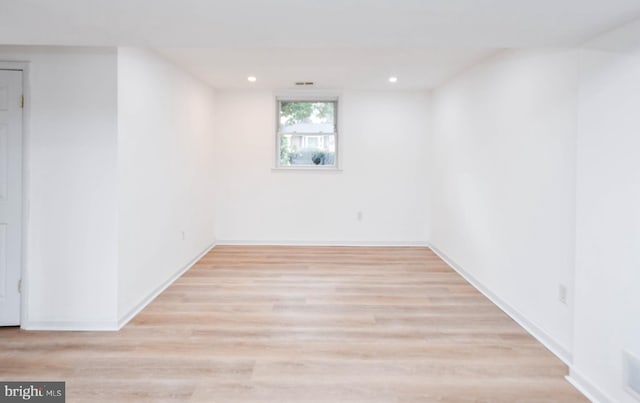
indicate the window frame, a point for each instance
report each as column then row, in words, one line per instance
column 336, row 131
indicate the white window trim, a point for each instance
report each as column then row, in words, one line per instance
column 311, row 97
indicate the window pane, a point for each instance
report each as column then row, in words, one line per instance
column 307, row 117
column 310, row 150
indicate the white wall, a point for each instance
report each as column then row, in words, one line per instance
column 119, row 164
column 503, row 183
column 607, row 316
column 383, row 158
column 71, row 182
column 165, row 168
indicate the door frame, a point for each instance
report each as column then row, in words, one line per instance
column 26, row 130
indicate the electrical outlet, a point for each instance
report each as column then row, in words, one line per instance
column 562, row 293
column 359, row 215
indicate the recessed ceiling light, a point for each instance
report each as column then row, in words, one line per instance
column 252, row 79
column 393, row 79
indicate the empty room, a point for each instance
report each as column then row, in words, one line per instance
column 320, row 201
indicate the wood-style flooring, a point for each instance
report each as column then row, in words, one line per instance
column 294, row 324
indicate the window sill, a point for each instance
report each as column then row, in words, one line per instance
column 330, row 170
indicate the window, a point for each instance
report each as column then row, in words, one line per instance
column 307, row 133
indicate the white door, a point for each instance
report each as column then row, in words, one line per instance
column 10, row 195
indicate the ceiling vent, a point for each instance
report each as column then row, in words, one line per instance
column 304, row 83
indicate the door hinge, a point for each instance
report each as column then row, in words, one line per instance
column 20, row 286
column 22, row 101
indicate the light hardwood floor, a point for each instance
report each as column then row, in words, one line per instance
column 297, row 324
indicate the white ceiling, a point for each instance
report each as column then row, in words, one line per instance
column 333, row 42
column 328, row 68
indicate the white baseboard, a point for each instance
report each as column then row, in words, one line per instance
column 324, row 243
column 587, row 388
column 115, row 325
column 147, row 300
column 536, row 331
column 106, row 326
